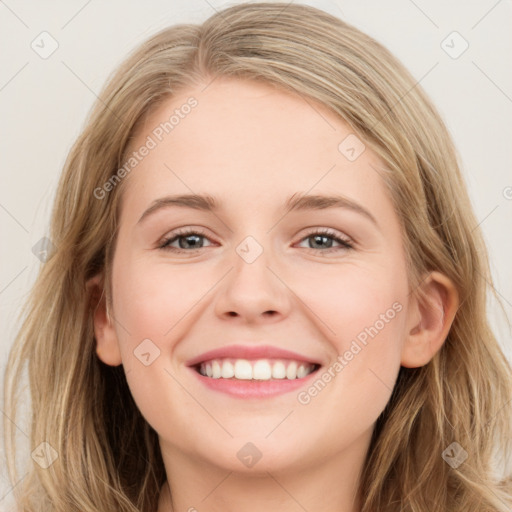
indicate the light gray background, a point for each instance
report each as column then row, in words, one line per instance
column 44, row 103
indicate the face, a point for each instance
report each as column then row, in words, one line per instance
column 316, row 293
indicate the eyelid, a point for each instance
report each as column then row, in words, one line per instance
column 329, row 231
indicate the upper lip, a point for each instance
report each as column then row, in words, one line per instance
column 250, row 352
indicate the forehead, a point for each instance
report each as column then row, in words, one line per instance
column 249, row 142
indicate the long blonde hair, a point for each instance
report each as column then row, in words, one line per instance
column 108, row 457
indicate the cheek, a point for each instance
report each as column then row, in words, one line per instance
column 151, row 302
column 354, row 301
column 151, row 299
column 362, row 313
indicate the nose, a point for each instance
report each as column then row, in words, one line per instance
column 253, row 291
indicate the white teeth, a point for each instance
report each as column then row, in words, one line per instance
column 262, row 369
column 228, row 370
column 278, row 370
column 291, row 371
column 216, row 372
column 243, row 370
column 301, row 371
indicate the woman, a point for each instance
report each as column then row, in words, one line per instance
column 257, row 369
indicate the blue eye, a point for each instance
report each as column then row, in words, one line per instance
column 187, row 236
column 189, row 241
column 323, row 236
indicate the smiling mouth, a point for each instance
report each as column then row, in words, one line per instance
column 259, row 369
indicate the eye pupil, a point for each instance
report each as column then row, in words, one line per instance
column 316, row 239
column 183, row 245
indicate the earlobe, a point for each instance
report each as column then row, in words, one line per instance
column 430, row 321
column 107, row 344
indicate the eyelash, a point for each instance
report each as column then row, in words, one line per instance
column 345, row 243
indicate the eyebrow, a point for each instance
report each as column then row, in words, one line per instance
column 293, row 203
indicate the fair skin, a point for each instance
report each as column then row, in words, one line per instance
column 251, row 147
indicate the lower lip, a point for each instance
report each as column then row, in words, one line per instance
column 253, row 388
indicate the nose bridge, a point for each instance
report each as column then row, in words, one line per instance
column 250, row 249
column 251, row 287
column 252, row 262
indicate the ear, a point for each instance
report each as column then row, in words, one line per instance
column 430, row 322
column 107, row 344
